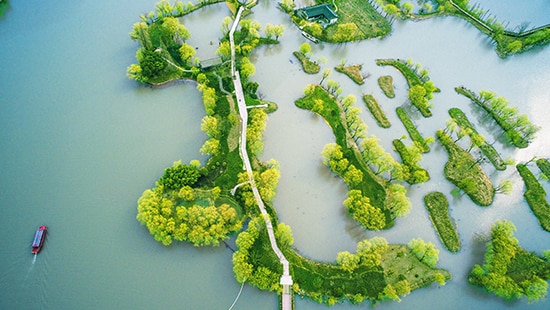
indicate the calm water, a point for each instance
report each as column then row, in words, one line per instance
column 79, row 143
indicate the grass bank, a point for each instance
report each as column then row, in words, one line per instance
column 376, row 111
column 535, row 195
column 438, row 207
column 488, row 150
column 464, row 172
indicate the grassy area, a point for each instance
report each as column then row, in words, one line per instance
column 438, row 207
column 376, row 111
column 353, row 72
column 328, row 281
column 415, row 135
column 4, row 4
column 544, row 166
column 488, row 150
column 464, row 172
column 386, row 85
column 309, row 66
column 535, row 196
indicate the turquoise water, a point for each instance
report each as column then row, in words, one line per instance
column 79, row 143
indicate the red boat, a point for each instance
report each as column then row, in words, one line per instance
column 39, row 238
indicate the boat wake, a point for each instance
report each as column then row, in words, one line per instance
column 34, row 258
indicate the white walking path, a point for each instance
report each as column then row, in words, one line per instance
column 286, row 278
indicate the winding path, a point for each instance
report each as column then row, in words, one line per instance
column 286, row 278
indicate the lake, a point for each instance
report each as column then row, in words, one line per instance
column 79, row 143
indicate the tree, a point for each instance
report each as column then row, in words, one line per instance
column 224, row 50
column 426, row 252
column 347, row 261
column 326, row 73
column 179, row 175
column 210, row 147
column 247, row 68
column 186, row 52
column 305, row 49
column 283, row 234
column 151, row 63
column 505, row 187
column 345, row 32
column 363, row 212
column 406, row 7
column 209, row 125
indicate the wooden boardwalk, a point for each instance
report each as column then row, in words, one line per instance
column 286, row 278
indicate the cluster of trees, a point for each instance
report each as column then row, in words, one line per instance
column 459, row 124
column 369, row 254
column 251, row 263
column 517, row 126
column 266, row 180
column 162, row 43
column 167, row 220
column 509, row 271
column 345, row 32
column 333, row 157
column 363, row 212
column 425, row 251
column 257, row 119
column 379, row 160
column 274, row 31
column 411, row 156
column 180, row 175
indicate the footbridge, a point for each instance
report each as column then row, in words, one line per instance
column 286, row 278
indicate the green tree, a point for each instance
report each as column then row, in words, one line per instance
column 186, row 52
column 209, row 125
column 305, row 49
column 345, row 32
column 179, row 175
column 347, row 261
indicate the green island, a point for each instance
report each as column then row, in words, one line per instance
column 353, row 72
column 376, row 111
column 357, row 20
column 4, row 4
column 476, row 139
column 410, row 156
column 233, row 192
column 421, row 89
column 519, row 131
column 374, row 201
column 464, row 172
column 509, row 271
column 386, row 85
column 438, row 207
column 421, row 143
column 535, row 195
column 304, row 56
column 544, row 166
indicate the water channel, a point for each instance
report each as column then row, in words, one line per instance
column 79, row 143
